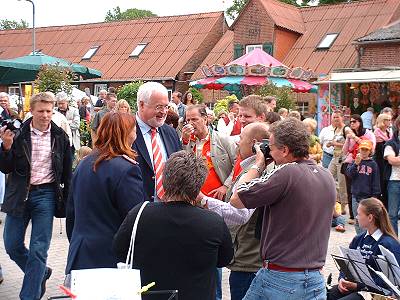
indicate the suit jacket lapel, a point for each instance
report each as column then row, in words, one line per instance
column 141, row 147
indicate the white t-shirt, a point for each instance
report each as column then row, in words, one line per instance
column 395, row 169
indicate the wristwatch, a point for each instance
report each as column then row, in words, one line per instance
column 255, row 167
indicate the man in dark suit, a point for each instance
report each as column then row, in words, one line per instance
column 155, row 140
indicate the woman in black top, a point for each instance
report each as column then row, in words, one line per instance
column 178, row 245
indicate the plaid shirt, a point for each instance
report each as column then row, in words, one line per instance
column 41, row 168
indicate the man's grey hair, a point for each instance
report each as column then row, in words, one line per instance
column 4, row 94
column 386, row 110
column 147, row 89
column 293, row 134
column 183, row 176
column 62, row 96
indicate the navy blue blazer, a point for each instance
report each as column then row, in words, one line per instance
column 171, row 143
column 98, row 203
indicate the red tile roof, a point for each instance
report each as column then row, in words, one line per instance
column 350, row 20
column 222, row 53
column 284, row 15
column 172, row 42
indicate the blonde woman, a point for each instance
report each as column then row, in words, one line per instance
column 123, row 106
column 315, row 149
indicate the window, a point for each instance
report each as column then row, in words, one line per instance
column 90, row 52
column 13, row 90
column 98, row 87
column 327, row 41
column 250, row 48
column 302, row 108
column 139, row 49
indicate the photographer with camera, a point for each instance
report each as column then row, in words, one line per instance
column 297, row 220
column 38, row 164
column 6, row 113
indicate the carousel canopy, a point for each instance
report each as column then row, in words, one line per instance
column 255, row 68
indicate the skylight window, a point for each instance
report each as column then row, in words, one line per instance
column 90, row 52
column 138, row 50
column 327, row 41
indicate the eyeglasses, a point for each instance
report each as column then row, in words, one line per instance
column 159, row 108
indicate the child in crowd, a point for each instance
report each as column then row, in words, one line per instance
column 338, row 221
column 81, row 154
column 364, row 176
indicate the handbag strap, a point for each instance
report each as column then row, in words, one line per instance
column 129, row 256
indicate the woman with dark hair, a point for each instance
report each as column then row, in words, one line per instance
column 350, row 150
column 392, row 173
column 178, row 245
column 105, row 186
column 373, row 217
column 188, row 99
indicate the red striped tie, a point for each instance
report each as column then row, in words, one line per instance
column 158, row 164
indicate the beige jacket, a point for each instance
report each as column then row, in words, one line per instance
column 223, row 155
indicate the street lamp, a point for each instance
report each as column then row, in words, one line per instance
column 33, row 27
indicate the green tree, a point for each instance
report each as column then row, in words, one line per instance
column 54, row 78
column 284, row 96
column 132, row 13
column 222, row 104
column 11, row 24
column 129, row 93
column 197, row 95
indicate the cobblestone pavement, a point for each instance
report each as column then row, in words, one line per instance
column 9, row 289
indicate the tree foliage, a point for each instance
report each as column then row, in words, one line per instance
column 197, row 95
column 130, row 14
column 129, row 93
column 11, row 24
column 284, row 96
column 222, row 104
column 54, row 78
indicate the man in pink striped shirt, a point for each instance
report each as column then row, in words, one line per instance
column 38, row 161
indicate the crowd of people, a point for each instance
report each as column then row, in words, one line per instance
column 231, row 190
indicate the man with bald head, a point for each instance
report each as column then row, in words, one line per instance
column 155, row 140
column 247, row 260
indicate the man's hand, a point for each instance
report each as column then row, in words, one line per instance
column 219, row 193
column 199, row 198
column 260, row 159
column 346, row 286
column 7, row 136
column 231, row 116
column 187, row 130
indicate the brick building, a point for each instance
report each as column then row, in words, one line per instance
column 164, row 49
column 381, row 48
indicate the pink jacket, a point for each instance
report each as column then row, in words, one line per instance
column 381, row 136
column 350, row 143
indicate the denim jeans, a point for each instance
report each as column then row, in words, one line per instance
column 39, row 208
column 326, row 159
column 218, row 292
column 239, row 283
column 276, row 285
column 394, row 202
column 339, row 220
column 354, row 206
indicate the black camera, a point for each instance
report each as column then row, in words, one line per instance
column 264, row 147
column 10, row 124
